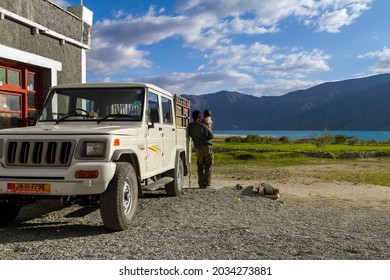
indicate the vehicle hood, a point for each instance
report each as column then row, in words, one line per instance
column 74, row 129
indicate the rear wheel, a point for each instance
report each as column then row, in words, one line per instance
column 8, row 213
column 175, row 187
column 119, row 202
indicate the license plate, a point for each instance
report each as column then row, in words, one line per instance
column 28, row 188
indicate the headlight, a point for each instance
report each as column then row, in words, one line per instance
column 91, row 149
column 95, row 149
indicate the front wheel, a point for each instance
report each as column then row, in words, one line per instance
column 119, row 202
column 175, row 187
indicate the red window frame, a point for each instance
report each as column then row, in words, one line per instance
column 22, row 89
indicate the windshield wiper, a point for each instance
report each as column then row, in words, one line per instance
column 114, row 116
column 72, row 114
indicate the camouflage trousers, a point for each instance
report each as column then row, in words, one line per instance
column 204, row 161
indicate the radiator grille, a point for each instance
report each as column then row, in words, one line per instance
column 39, row 152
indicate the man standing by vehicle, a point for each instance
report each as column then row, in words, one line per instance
column 201, row 136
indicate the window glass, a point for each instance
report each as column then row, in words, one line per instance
column 10, row 110
column 119, row 104
column 14, row 77
column 2, row 75
column 167, row 110
column 56, row 107
column 126, row 109
column 9, row 120
column 153, row 100
column 9, row 102
column 31, row 81
column 85, row 104
column 153, row 110
column 61, row 104
column 31, row 100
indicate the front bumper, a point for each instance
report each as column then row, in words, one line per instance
column 61, row 181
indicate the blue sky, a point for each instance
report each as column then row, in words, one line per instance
column 257, row 47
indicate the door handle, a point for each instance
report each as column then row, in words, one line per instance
column 160, row 128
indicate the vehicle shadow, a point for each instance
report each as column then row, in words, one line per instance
column 52, row 220
column 29, row 232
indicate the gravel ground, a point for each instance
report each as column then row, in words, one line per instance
column 204, row 224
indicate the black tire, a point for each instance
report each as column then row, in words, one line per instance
column 175, row 187
column 8, row 213
column 118, row 203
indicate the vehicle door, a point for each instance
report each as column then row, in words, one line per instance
column 169, row 131
column 154, row 135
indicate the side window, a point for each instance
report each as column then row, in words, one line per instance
column 167, row 110
column 153, row 108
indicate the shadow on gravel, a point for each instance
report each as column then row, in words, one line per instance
column 50, row 220
column 82, row 212
column 27, row 232
column 153, row 195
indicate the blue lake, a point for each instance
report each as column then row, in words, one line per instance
column 301, row 134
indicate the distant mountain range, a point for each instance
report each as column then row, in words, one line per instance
column 356, row 104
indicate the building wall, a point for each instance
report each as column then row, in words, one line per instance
column 16, row 35
column 19, row 37
column 47, row 14
column 41, row 40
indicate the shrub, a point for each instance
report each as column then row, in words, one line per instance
column 234, row 139
column 340, row 139
column 324, row 139
column 258, row 139
column 284, row 140
column 353, row 140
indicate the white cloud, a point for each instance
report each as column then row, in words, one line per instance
column 230, row 56
column 209, row 82
column 144, row 30
column 198, row 83
column 263, row 59
column 117, row 58
column 326, row 15
column 382, row 64
column 115, row 41
column 299, row 62
column 265, row 12
column 332, row 21
column 252, row 27
column 210, row 27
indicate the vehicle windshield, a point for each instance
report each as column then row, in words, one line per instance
column 94, row 104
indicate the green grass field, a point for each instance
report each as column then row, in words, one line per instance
column 253, row 161
column 335, row 149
